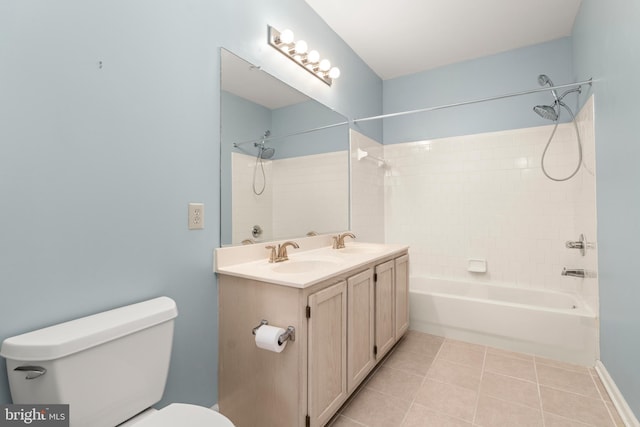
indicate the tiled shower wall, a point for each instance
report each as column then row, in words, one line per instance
column 367, row 188
column 485, row 197
column 302, row 194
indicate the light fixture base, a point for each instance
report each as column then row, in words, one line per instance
column 274, row 41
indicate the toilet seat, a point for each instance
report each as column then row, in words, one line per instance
column 182, row 414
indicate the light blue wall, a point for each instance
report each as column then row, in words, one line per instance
column 97, row 165
column 605, row 39
column 304, row 116
column 504, row 73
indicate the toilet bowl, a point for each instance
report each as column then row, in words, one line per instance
column 123, row 355
column 180, row 414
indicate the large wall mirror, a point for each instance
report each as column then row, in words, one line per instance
column 284, row 159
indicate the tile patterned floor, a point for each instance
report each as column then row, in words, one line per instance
column 432, row 381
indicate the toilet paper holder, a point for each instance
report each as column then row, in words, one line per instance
column 290, row 333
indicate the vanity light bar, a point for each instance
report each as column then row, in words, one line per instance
column 298, row 52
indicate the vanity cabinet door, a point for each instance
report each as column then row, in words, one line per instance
column 327, row 376
column 402, row 295
column 360, row 331
column 385, row 307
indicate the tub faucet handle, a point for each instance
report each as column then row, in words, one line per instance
column 578, row 244
column 272, row 253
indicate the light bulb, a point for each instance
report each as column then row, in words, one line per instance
column 301, row 47
column 313, row 57
column 286, row 36
column 325, row 65
column 334, row 73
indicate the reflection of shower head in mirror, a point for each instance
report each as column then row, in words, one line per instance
column 263, row 151
column 266, row 152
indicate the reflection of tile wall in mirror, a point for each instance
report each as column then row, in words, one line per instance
column 252, row 103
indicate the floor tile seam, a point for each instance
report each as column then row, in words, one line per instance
column 571, row 371
column 535, row 371
column 568, row 419
column 510, row 354
column 579, row 368
column 424, row 380
column 352, row 420
column 441, row 413
column 571, row 419
column 475, row 408
column 556, row 388
column 613, row 419
column 465, row 345
column 405, row 372
column 460, row 364
column 386, row 394
column 493, row 396
column 422, row 353
column 361, row 386
column 540, row 410
column 510, row 376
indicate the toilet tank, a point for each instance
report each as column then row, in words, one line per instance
column 108, row 367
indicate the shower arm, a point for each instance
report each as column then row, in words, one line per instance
column 578, row 89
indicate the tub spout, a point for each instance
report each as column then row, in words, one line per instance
column 575, row 272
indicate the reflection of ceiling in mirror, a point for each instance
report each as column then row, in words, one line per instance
column 247, row 81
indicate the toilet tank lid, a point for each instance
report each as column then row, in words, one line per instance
column 76, row 335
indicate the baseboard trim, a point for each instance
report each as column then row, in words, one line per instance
column 627, row 415
column 216, row 408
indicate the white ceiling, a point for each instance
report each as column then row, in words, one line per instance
column 402, row 37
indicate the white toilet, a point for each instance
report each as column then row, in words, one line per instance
column 110, row 368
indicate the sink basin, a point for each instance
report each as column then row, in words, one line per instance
column 360, row 249
column 304, row 266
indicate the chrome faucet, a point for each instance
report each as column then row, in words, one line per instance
column 338, row 241
column 575, row 272
column 280, row 254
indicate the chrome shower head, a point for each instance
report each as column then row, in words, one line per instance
column 546, row 112
column 544, row 80
column 266, row 152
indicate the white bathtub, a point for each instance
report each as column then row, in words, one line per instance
column 549, row 324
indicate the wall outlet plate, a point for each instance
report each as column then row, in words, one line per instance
column 196, row 216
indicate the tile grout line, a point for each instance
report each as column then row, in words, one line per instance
column 435, row 357
column 613, row 420
column 475, row 409
column 535, row 370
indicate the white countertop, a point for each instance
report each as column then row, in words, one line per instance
column 310, row 264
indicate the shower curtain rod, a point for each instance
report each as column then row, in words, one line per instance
column 476, row 101
column 238, row 144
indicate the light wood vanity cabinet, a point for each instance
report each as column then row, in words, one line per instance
column 327, row 351
column 401, row 294
column 384, row 308
column 361, row 328
column 339, row 322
